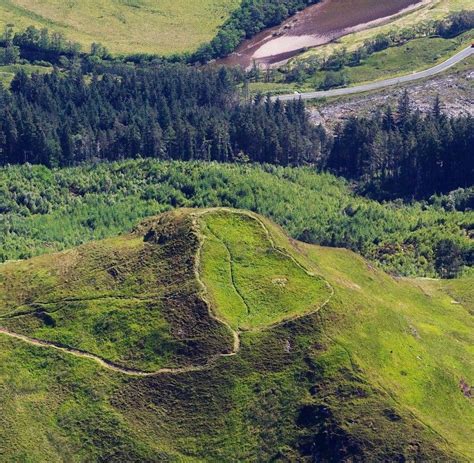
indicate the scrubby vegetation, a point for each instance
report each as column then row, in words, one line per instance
column 379, row 372
column 45, row 210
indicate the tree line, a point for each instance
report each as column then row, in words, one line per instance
column 33, row 44
column 404, row 154
column 181, row 113
column 167, row 112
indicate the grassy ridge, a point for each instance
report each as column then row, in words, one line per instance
column 373, row 375
column 133, row 26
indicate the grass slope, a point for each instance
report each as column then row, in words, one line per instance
column 261, row 284
column 373, row 375
column 416, row 345
column 124, row 26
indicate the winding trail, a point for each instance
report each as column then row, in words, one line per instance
column 457, row 58
column 112, row 366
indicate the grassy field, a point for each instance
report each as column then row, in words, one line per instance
column 374, row 373
column 131, row 26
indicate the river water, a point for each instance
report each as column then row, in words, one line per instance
column 316, row 25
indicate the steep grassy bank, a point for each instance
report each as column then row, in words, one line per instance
column 372, row 372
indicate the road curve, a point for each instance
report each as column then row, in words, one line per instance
column 458, row 57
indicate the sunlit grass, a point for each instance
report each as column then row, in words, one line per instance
column 141, row 26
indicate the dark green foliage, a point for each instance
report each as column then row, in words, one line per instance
column 449, row 259
column 35, row 44
column 167, row 112
column 334, row 79
column 176, row 112
column 456, row 23
column 461, row 199
column 405, row 155
column 9, row 55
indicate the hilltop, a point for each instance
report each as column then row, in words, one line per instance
column 207, row 334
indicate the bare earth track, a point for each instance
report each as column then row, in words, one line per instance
column 107, row 364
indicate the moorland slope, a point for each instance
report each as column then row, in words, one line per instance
column 208, row 335
column 132, row 26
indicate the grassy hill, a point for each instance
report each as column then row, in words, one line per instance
column 208, row 335
column 124, row 26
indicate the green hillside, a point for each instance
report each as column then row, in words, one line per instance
column 124, row 26
column 208, row 335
